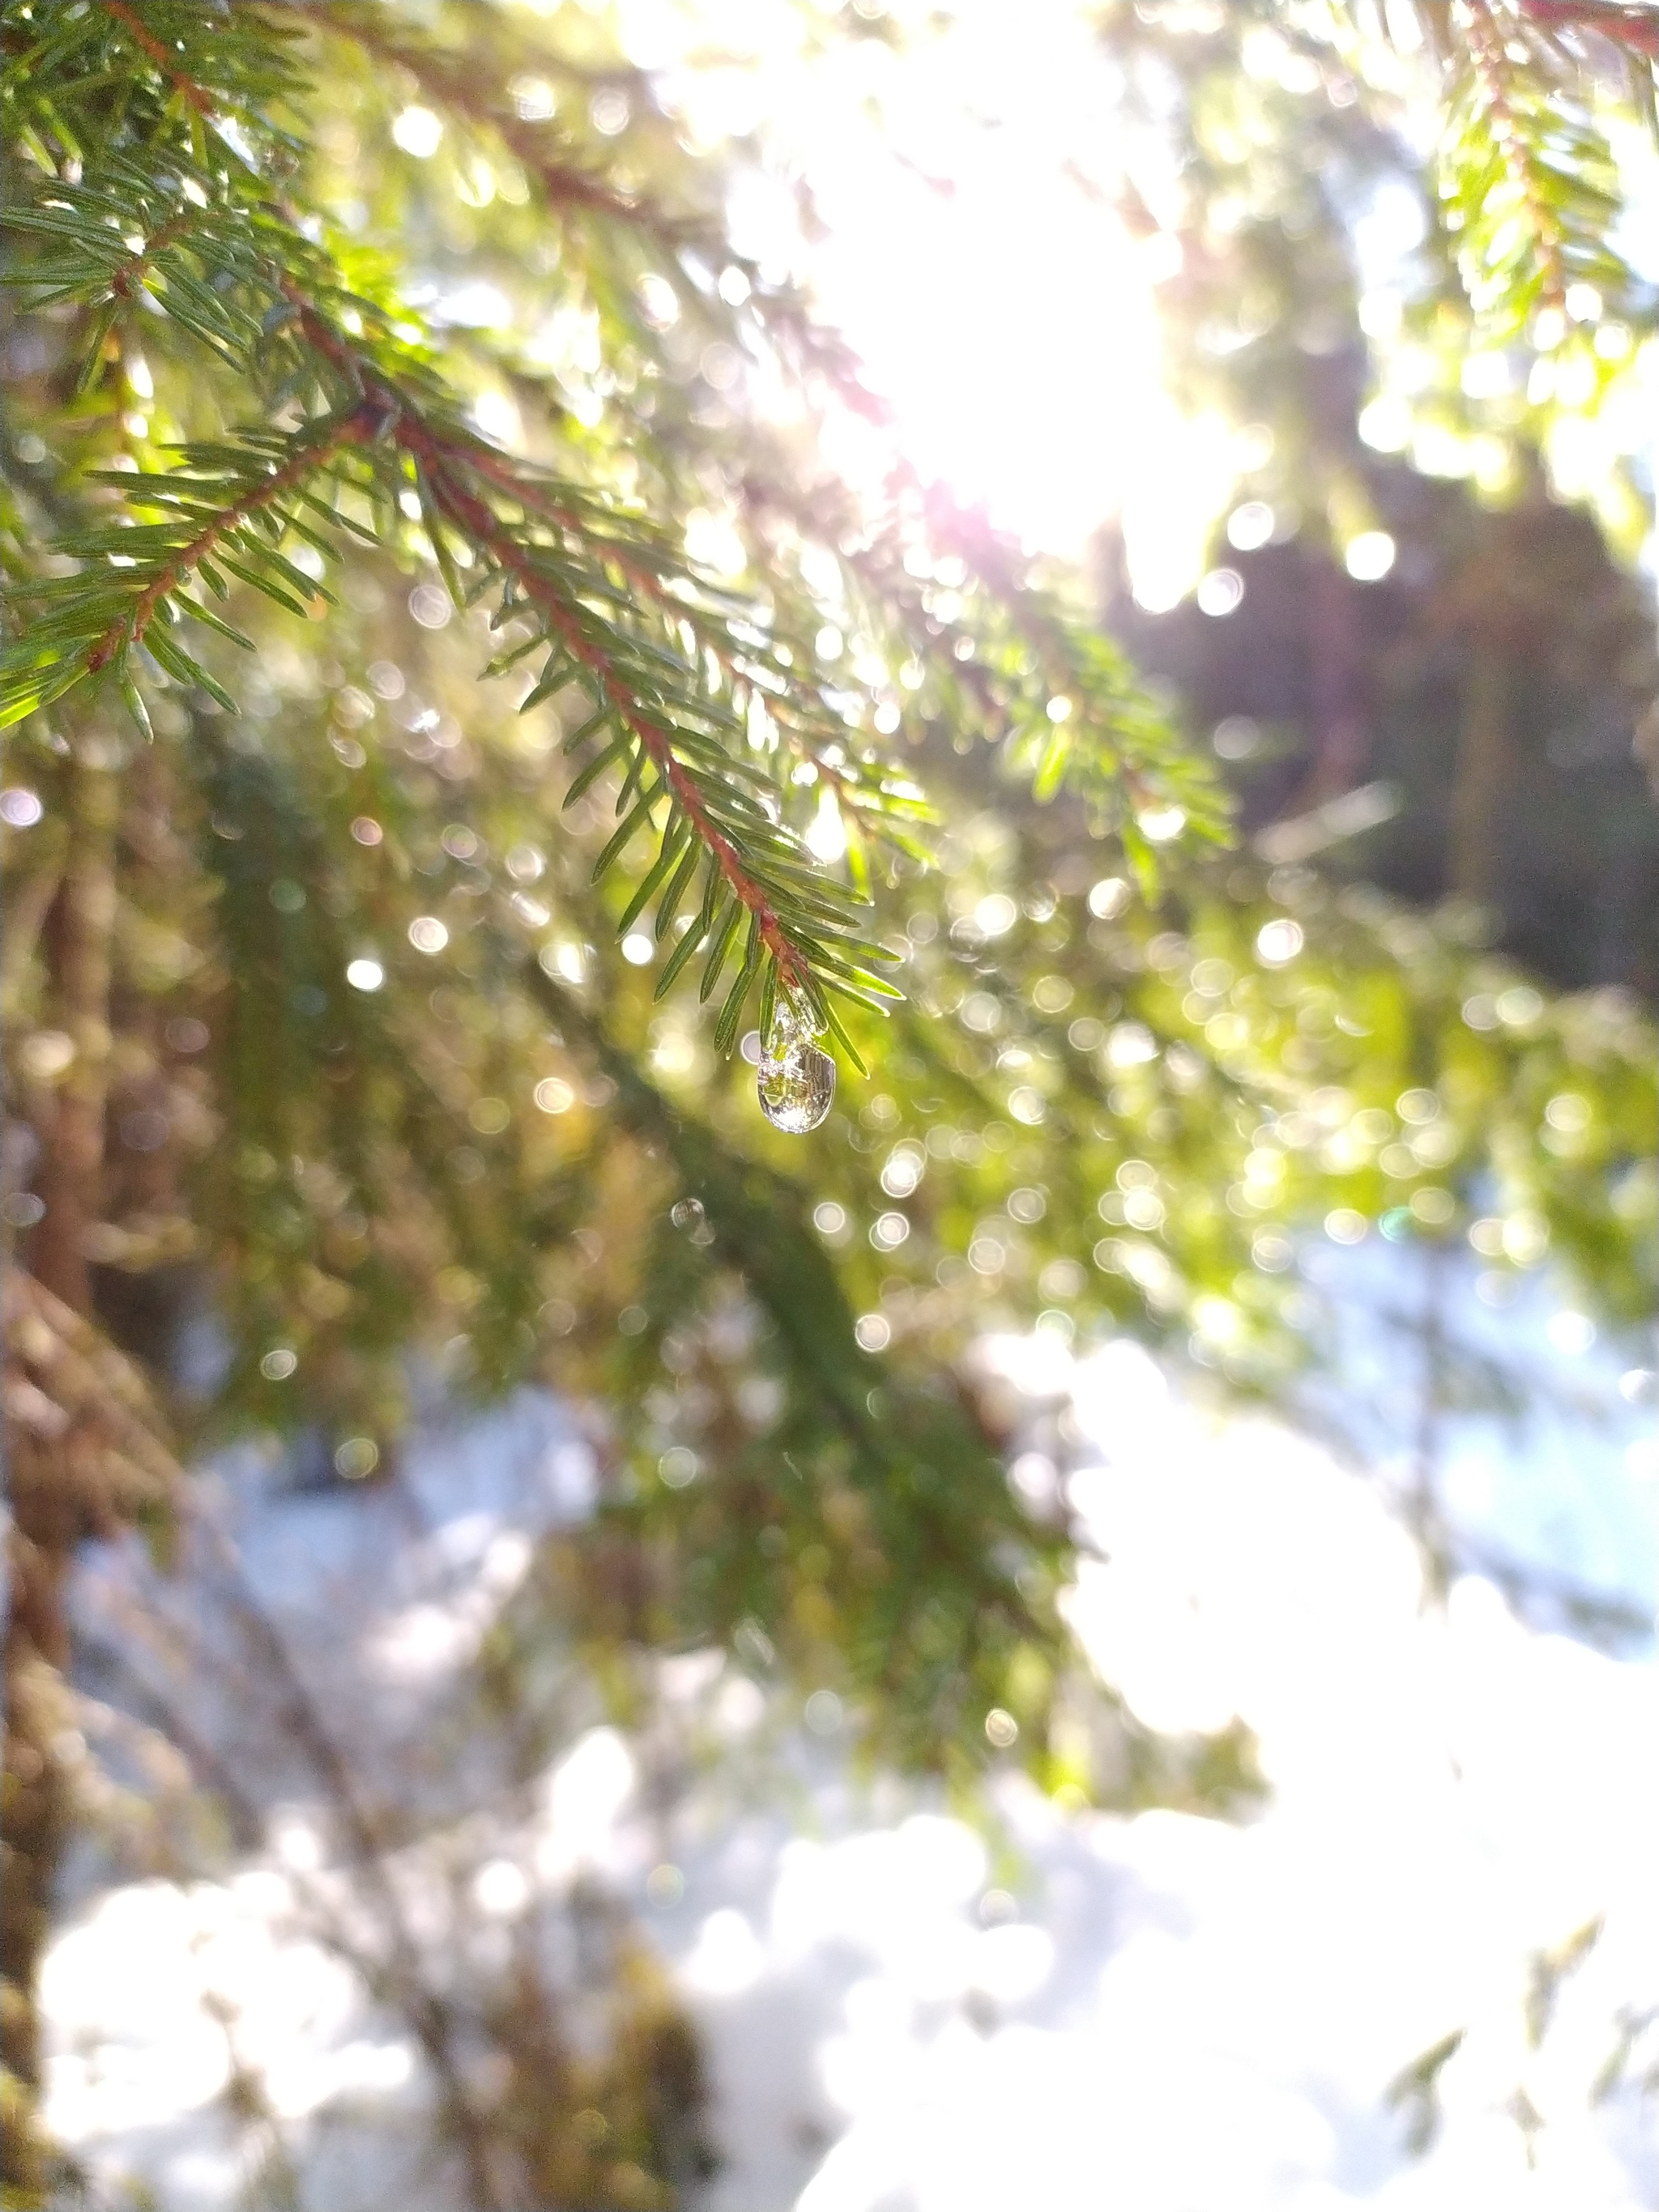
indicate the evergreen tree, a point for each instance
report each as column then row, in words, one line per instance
column 374, row 1012
column 1494, row 672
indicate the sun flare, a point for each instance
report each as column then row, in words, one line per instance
column 972, row 252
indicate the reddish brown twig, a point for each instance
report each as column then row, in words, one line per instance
column 126, row 280
column 475, row 519
column 450, row 82
column 535, row 500
column 151, row 46
column 1487, row 51
column 1622, row 26
column 478, row 523
column 351, row 430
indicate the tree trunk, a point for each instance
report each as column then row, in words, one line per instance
column 1472, row 855
column 49, row 1508
column 1341, row 739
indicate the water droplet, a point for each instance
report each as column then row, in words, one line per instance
column 796, row 1081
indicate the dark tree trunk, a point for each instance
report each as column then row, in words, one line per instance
column 1341, row 740
column 1471, row 838
column 49, row 1509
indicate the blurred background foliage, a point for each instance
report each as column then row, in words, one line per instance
column 330, row 1078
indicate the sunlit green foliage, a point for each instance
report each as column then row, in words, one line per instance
column 1525, row 321
column 700, row 699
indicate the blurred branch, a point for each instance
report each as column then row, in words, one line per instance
column 406, row 1982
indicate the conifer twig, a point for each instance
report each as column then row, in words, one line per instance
column 1492, row 72
column 153, row 50
column 653, row 735
column 1635, row 28
column 315, row 453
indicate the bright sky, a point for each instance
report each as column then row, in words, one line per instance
column 972, row 257
column 967, row 181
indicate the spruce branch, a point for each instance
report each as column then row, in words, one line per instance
column 124, row 234
column 195, row 61
column 616, row 606
column 1500, row 103
column 447, row 79
column 1005, row 657
column 720, row 813
column 611, row 603
column 688, row 247
column 555, row 556
column 314, row 449
column 1530, row 182
column 1076, row 715
column 223, row 502
column 691, row 689
column 1531, row 187
column 194, row 94
column 877, row 792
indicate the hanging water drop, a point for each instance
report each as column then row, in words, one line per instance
column 796, row 1082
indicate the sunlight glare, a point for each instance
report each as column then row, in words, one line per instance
column 974, row 257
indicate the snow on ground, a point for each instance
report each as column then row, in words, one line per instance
column 1160, row 2014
